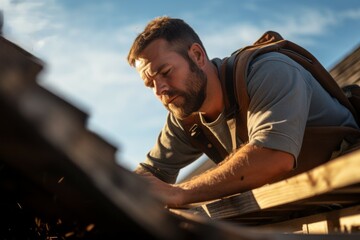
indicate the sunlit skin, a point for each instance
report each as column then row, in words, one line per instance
column 166, row 71
column 249, row 167
column 182, row 103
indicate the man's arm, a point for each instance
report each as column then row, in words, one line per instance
column 248, row 168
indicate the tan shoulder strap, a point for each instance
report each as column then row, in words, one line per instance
column 268, row 37
column 236, row 67
column 329, row 137
column 272, row 41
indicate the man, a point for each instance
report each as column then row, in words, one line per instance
column 284, row 100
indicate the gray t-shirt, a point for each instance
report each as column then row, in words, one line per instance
column 284, row 98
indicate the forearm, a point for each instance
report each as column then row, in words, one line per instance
column 248, row 168
column 145, row 169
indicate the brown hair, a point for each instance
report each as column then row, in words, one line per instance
column 173, row 30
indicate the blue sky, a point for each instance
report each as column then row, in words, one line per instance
column 84, row 45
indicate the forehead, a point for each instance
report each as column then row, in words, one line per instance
column 154, row 56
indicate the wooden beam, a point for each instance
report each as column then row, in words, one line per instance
column 335, row 177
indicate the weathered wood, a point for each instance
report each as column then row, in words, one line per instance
column 239, row 232
column 347, row 70
column 346, row 220
column 331, row 186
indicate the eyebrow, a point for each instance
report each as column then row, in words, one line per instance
column 159, row 69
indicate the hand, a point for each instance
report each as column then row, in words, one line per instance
column 169, row 194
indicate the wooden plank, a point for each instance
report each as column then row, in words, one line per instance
column 347, row 71
column 241, row 232
column 345, row 220
column 331, row 177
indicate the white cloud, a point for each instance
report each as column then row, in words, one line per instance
column 351, row 14
column 301, row 27
column 27, row 21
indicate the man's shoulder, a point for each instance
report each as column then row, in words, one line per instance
column 272, row 56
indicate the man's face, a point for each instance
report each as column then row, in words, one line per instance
column 180, row 85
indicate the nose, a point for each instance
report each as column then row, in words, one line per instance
column 160, row 86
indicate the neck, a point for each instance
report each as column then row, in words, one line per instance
column 214, row 103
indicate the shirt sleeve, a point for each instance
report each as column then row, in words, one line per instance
column 279, row 105
column 171, row 152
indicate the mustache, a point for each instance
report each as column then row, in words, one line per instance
column 170, row 94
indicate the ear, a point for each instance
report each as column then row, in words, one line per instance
column 197, row 54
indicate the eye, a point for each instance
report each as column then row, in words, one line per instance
column 166, row 72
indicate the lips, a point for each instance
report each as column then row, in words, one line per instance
column 167, row 100
column 172, row 99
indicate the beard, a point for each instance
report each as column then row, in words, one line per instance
column 190, row 100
